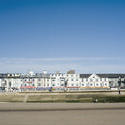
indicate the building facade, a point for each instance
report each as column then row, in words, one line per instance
column 59, row 82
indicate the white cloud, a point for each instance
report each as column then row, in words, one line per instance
column 9, row 60
column 80, row 64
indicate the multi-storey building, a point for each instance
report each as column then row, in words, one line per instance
column 60, row 81
column 94, row 81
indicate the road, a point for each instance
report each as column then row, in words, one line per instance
column 62, row 114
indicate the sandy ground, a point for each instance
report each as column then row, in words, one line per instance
column 62, row 114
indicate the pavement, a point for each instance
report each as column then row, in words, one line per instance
column 60, row 106
column 62, row 113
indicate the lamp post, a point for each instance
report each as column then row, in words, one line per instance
column 119, row 85
column 65, row 85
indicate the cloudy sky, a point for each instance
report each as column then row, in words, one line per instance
column 58, row 35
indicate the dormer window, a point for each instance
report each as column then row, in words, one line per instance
column 91, row 80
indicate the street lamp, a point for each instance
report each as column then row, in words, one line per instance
column 65, row 85
column 119, row 85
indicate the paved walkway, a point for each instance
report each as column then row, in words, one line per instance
column 60, row 106
column 62, row 114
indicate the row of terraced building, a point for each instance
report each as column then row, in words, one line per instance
column 11, row 82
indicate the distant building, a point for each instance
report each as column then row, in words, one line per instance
column 59, row 81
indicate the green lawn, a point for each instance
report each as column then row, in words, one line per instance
column 70, row 97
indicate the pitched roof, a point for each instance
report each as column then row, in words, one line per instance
column 111, row 75
column 85, row 75
column 103, row 75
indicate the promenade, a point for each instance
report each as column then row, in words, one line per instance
column 62, row 113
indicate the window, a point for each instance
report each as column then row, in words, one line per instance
column 9, row 84
column 39, row 79
column 91, row 80
column 39, row 84
column 82, row 84
column 72, row 85
column 91, row 84
column 62, row 84
column 104, row 79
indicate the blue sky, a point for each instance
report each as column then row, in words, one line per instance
column 86, row 35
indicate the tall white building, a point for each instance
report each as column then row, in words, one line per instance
column 59, row 81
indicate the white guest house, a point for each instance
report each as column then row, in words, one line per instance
column 59, row 81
